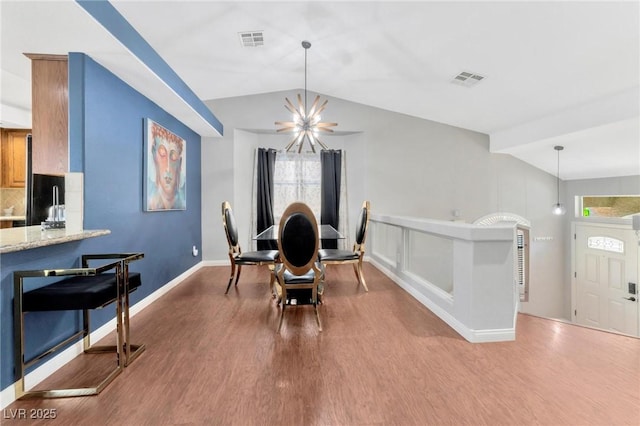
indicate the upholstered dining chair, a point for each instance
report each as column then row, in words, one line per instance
column 298, row 243
column 239, row 258
column 355, row 256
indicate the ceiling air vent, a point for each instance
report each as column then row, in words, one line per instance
column 251, row 38
column 467, row 79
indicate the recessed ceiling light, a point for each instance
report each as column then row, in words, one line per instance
column 467, row 79
column 251, row 38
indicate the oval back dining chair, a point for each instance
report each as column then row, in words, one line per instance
column 298, row 243
column 237, row 256
column 355, row 256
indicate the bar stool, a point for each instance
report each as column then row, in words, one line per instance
column 84, row 289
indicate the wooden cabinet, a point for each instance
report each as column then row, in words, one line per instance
column 13, row 157
column 50, row 113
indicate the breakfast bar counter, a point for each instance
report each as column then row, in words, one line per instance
column 11, row 218
column 30, row 237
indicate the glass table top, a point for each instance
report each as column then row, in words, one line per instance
column 327, row 232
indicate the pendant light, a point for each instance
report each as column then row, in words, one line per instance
column 558, row 208
column 306, row 123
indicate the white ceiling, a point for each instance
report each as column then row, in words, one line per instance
column 563, row 73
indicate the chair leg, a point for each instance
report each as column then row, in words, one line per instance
column 355, row 270
column 238, row 276
column 314, row 295
column 233, row 273
column 315, row 308
column 361, row 276
column 281, row 317
column 272, row 280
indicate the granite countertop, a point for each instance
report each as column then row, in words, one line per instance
column 29, row 237
column 12, row 218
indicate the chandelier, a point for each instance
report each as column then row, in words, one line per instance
column 306, row 124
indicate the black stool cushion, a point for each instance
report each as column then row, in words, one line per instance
column 76, row 293
column 135, row 281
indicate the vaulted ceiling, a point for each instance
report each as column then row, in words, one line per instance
column 554, row 73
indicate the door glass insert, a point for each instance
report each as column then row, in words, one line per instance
column 606, row 244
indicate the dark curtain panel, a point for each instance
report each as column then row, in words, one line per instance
column 264, row 203
column 331, row 162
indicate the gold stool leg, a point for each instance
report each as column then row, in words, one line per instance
column 132, row 352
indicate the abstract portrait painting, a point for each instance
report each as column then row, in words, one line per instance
column 165, row 162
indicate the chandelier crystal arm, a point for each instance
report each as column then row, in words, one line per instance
column 296, row 140
column 321, row 144
column 322, row 107
column 288, row 126
column 324, row 125
column 311, row 142
column 312, row 111
column 291, row 107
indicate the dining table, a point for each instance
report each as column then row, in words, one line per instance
column 327, row 232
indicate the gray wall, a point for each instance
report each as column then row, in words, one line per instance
column 404, row 166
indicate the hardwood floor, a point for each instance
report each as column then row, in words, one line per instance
column 382, row 358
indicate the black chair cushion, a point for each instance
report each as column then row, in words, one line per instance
column 307, row 278
column 298, row 240
column 289, row 278
column 76, row 293
column 256, row 256
column 326, row 255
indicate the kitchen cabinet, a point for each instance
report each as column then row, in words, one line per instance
column 14, row 159
column 50, row 113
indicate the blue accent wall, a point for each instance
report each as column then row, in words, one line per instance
column 106, row 143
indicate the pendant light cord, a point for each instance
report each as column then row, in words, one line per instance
column 305, row 81
column 558, row 178
column 558, row 148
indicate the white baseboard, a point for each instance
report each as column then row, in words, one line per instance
column 471, row 335
column 216, row 263
column 7, row 395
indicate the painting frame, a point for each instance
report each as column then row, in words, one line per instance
column 165, row 169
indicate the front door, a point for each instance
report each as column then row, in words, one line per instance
column 606, row 276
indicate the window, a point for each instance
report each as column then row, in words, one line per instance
column 609, row 206
column 606, row 244
column 296, row 177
